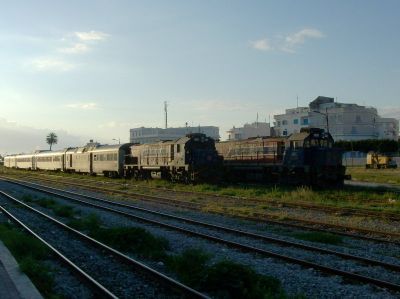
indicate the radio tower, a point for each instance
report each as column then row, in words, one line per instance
column 166, row 113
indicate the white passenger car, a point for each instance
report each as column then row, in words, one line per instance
column 49, row 160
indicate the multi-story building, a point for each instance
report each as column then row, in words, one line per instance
column 343, row 121
column 256, row 129
column 292, row 121
column 148, row 135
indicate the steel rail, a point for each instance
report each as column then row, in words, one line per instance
column 257, row 217
column 93, row 284
column 249, row 248
column 205, row 224
column 185, row 290
column 358, row 212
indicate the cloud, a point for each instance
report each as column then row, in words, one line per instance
column 91, row 35
column 393, row 112
column 80, row 41
column 51, row 64
column 212, row 105
column 115, row 124
column 83, row 106
column 299, row 38
column 27, row 139
column 262, row 44
column 77, row 48
column 288, row 43
column 76, row 43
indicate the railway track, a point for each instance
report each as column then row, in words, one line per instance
column 296, row 222
column 117, row 262
column 125, row 210
column 303, row 205
column 97, row 288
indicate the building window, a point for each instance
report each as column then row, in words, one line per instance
column 284, row 122
column 296, row 121
column 358, row 118
column 279, row 123
column 304, row 121
column 284, row 133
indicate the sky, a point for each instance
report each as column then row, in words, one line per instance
column 95, row 69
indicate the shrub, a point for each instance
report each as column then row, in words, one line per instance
column 90, row 223
column 133, row 239
column 319, row 237
column 64, row 211
column 190, row 266
column 231, row 280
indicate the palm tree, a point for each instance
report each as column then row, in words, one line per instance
column 51, row 139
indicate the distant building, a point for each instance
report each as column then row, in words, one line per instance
column 149, row 135
column 249, row 130
column 343, row 121
column 292, row 121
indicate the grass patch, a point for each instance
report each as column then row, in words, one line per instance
column 27, row 198
column 64, row 211
column 30, row 254
column 133, row 239
column 227, row 279
column 46, row 203
column 385, row 176
column 190, row 266
column 89, row 223
column 58, row 209
column 224, row 279
column 319, row 237
column 229, row 193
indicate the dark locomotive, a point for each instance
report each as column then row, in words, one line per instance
column 307, row 157
column 191, row 158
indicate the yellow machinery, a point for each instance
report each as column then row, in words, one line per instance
column 377, row 160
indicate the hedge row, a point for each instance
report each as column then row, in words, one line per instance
column 383, row 146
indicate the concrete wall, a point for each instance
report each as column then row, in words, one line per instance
column 354, row 161
column 362, row 161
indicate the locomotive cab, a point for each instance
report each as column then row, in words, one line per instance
column 201, row 157
column 311, row 157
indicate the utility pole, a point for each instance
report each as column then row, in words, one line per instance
column 326, row 117
column 166, row 113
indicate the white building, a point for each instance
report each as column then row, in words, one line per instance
column 255, row 129
column 148, row 135
column 292, row 121
column 343, row 121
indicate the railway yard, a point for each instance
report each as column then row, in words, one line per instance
column 155, row 239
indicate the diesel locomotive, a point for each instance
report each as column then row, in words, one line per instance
column 306, row 158
column 191, row 158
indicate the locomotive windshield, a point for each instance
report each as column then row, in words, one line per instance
column 324, row 141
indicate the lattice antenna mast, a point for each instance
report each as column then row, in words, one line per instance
column 166, row 113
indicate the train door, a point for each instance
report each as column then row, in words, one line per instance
column 33, row 162
column 172, row 152
column 70, row 160
column 91, row 163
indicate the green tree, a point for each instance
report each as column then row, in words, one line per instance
column 51, row 139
